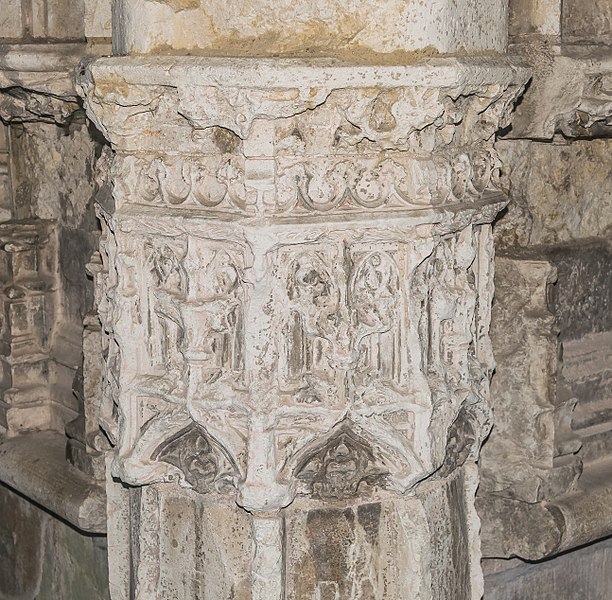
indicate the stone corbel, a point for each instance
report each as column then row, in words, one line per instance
column 570, row 95
column 37, row 82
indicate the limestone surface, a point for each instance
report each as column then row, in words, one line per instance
column 266, row 27
column 295, row 282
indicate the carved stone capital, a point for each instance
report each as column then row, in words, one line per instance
column 274, row 225
column 295, row 281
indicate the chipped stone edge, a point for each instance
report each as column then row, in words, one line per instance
column 566, row 523
column 45, row 72
column 34, row 465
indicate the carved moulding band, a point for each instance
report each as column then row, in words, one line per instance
column 285, row 138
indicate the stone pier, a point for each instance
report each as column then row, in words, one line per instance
column 294, row 283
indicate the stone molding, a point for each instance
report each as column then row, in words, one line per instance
column 558, row 481
column 404, row 137
column 37, row 82
column 34, row 465
column 547, row 528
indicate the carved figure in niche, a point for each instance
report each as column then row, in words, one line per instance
column 213, row 314
column 313, row 319
column 337, row 470
column 440, row 307
column 376, row 300
column 206, row 466
column 221, row 286
column 330, row 335
column 168, row 280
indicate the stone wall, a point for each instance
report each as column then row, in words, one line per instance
column 551, row 332
column 53, row 542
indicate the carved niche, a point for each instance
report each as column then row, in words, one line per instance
column 343, row 322
column 213, row 310
column 338, row 469
column 205, row 464
column 167, row 287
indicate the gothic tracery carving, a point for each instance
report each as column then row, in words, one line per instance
column 203, row 462
column 340, row 467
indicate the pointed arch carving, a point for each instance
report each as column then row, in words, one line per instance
column 206, row 465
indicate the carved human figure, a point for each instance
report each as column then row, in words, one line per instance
column 168, row 282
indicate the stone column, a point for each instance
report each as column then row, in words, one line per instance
column 43, row 234
column 296, row 284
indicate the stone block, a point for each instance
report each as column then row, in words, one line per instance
column 98, row 19
column 529, row 17
column 352, row 29
column 587, row 21
column 560, row 193
column 11, row 23
column 57, row 19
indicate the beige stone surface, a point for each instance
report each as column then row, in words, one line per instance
column 584, row 573
column 98, row 19
column 587, row 21
column 54, row 19
column 11, row 25
column 534, row 17
column 5, row 186
column 524, row 342
column 264, row 27
column 560, row 192
column 295, row 281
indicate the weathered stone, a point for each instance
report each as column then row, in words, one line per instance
column 11, row 24
column 43, row 558
column 560, row 193
column 98, row 21
column 587, row 22
column 5, row 186
column 534, row 17
column 22, row 531
column 35, row 465
column 286, row 356
column 583, row 573
column 296, row 281
column 570, row 93
column 351, row 27
column 583, row 270
column 36, row 82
